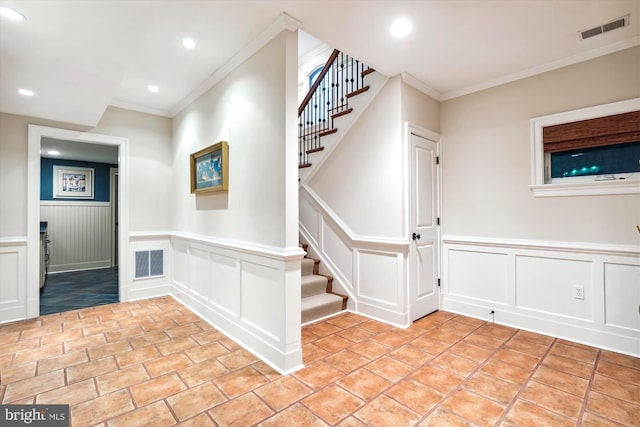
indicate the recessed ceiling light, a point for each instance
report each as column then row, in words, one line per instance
column 11, row 14
column 53, row 152
column 188, row 43
column 400, row 28
column 153, row 88
column 26, row 92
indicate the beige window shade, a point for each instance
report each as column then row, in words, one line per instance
column 608, row 130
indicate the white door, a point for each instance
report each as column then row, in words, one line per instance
column 424, row 296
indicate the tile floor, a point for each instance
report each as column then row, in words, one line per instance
column 155, row 363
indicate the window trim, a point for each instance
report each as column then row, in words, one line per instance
column 541, row 189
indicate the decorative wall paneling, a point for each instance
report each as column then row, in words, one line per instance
column 371, row 271
column 13, row 280
column 531, row 285
column 250, row 293
column 80, row 234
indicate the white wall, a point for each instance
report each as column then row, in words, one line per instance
column 486, row 155
column 236, row 259
column 362, row 179
column 521, row 256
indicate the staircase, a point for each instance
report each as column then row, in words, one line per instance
column 342, row 78
column 318, row 299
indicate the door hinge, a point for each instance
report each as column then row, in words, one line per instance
column 438, row 221
column 438, row 282
column 437, row 160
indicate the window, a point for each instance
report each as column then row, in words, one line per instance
column 324, row 100
column 587, row 152
column 314, row 75
column 604, row 163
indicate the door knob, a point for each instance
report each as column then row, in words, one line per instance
column 416, row 236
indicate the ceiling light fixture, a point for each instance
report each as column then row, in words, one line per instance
column 11, row 14
column 153, row 88
column 26, row 92
column 188, row 43
column 400, row 28
column 53, row 152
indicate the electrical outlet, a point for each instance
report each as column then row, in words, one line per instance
column 578, row 292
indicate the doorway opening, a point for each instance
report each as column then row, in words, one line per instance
column 101, row 270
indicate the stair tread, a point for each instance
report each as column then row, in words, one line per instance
column 327, row 132
column 357, row 92
column 341, row 113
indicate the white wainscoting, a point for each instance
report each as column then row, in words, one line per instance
column 531, row 285
column 80, row 234
column 13, row 279
column 250, row 293
column 372, row 272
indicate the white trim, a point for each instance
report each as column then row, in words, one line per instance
column 13, row 241
column 565, row 62
column 290, row 254
column 75, row 203
column 541, row 189
column 35, row 134
column 579, row 247
column 282, row 23
column 422, row 87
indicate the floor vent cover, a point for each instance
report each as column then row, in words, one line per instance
column 149, row 263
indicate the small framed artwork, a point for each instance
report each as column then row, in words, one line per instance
column 210, row 169
column 71, row 182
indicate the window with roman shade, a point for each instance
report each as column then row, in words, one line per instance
column 591, row 151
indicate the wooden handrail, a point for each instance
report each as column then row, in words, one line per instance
column 315, row 85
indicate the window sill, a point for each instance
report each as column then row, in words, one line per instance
column 620, row 186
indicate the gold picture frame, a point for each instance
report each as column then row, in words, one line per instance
column 210, row 169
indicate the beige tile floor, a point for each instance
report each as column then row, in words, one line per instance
column 155, row 363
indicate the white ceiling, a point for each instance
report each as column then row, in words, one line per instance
column 81, row 56
column 81, row 151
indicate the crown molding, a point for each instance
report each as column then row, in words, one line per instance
column 422, row 87
column 139, row 108
column 550, row 66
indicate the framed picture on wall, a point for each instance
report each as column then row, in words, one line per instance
column 71, row 182
column 210, row 169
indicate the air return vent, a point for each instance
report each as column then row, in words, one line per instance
column 609, row 26
column 149, row 264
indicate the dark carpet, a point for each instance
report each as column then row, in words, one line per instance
column 79, row 289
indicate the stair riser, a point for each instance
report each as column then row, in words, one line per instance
column 308, row 267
